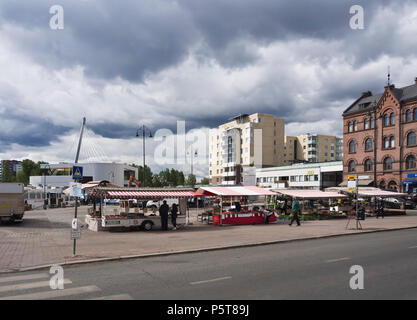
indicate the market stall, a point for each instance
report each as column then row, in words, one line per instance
column 237, row 205
column 127, row 214
column 315, row 201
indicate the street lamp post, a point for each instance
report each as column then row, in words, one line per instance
column 192, row 157
column 143, row 129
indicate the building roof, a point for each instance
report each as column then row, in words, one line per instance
column 367, row 101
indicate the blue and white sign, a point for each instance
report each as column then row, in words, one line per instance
column 77, row 173
column 412, row 175
column 75, row 190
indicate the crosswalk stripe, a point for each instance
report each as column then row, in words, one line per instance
column 24, row 277
column 53, row 293
column 115, row 297
column 30, row 285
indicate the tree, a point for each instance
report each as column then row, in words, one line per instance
column 191, row 180
column 204, row 181
column 7, row 173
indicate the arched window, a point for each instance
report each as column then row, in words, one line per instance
column 355, row 125
column 385, row 143
column 372, row 122
column 392, row 142
column 408, row 115
column 392, row 119
column 386, row 120
column 411, row 139
column 352, row 146
column 351, row 166
column 410, row 162
column 415, row 114
column 392, row 185
column 366, row 124
column 350, row 127
column 368, row 165
column 368, row 144
column 382, row 184
column 388, row 163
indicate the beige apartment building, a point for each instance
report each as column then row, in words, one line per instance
column 312, row 148
column 245, row 143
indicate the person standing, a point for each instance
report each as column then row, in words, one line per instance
column 380, row 210
column 163, row 212
column 174, row 213
column 295, row 211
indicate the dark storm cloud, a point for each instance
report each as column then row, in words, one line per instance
column 134, row 39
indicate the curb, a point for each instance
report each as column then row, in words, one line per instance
column 207, row 249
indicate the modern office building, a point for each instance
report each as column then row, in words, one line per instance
column 255, row 140
column 379, row 133
column 312, row 148
column 301, row 176
column 14, row 167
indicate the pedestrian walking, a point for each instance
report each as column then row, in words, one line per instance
column 174, row 213
column 163, row 212
column 295, row 211
column 267, row 215
column 380, row 210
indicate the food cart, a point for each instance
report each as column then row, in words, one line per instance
column 227, row 200
column 126, row 215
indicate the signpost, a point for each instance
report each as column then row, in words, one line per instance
column 75, row 191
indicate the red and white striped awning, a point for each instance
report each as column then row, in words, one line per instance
column 149, row 194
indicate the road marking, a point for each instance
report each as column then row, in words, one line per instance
column 115, row 297
column 53, row 293
column 211, row 280
column 336, row 260
column 30, row 285
column 25, row 277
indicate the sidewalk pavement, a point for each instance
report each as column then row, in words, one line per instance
column 44, row 238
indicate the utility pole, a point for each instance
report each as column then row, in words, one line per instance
column 76, row 198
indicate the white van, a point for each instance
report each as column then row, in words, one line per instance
column 153, row 204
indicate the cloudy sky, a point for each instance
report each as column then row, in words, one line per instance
column 125, row 63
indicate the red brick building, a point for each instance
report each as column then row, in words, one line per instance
column 379, row 134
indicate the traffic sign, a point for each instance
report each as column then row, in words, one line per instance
column 77, row 173
column 75, row 189
column 75, row 234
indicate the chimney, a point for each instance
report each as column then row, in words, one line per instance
column 366, row 94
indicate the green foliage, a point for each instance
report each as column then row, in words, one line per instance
column 7, row 175
column 204, row 181
column 191, row 180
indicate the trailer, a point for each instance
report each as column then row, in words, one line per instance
column 12, row 203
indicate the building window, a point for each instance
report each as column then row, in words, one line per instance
column 366, row 123
column 385, row 144
column 352, row 146
column 415, row 114
column 368, row 165
column 408, row 115
column 388, row 163
column 372, row 123
column 411, row 139
column 351, row 166
column 355, row 125
column 382, row 184
column 392, row 185
column 392, row 119
column 368, row 144
column 350, row 127
column 386, row 120
column 410, row 162
column 392, row 142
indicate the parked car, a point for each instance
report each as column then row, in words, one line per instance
column 153, row 204
column 409, row 204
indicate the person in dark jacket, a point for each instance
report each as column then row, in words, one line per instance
column 174, row 213
column 163, row 212
column 380, row 210
column 295, row 211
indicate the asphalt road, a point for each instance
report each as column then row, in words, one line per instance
column 313, row 269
